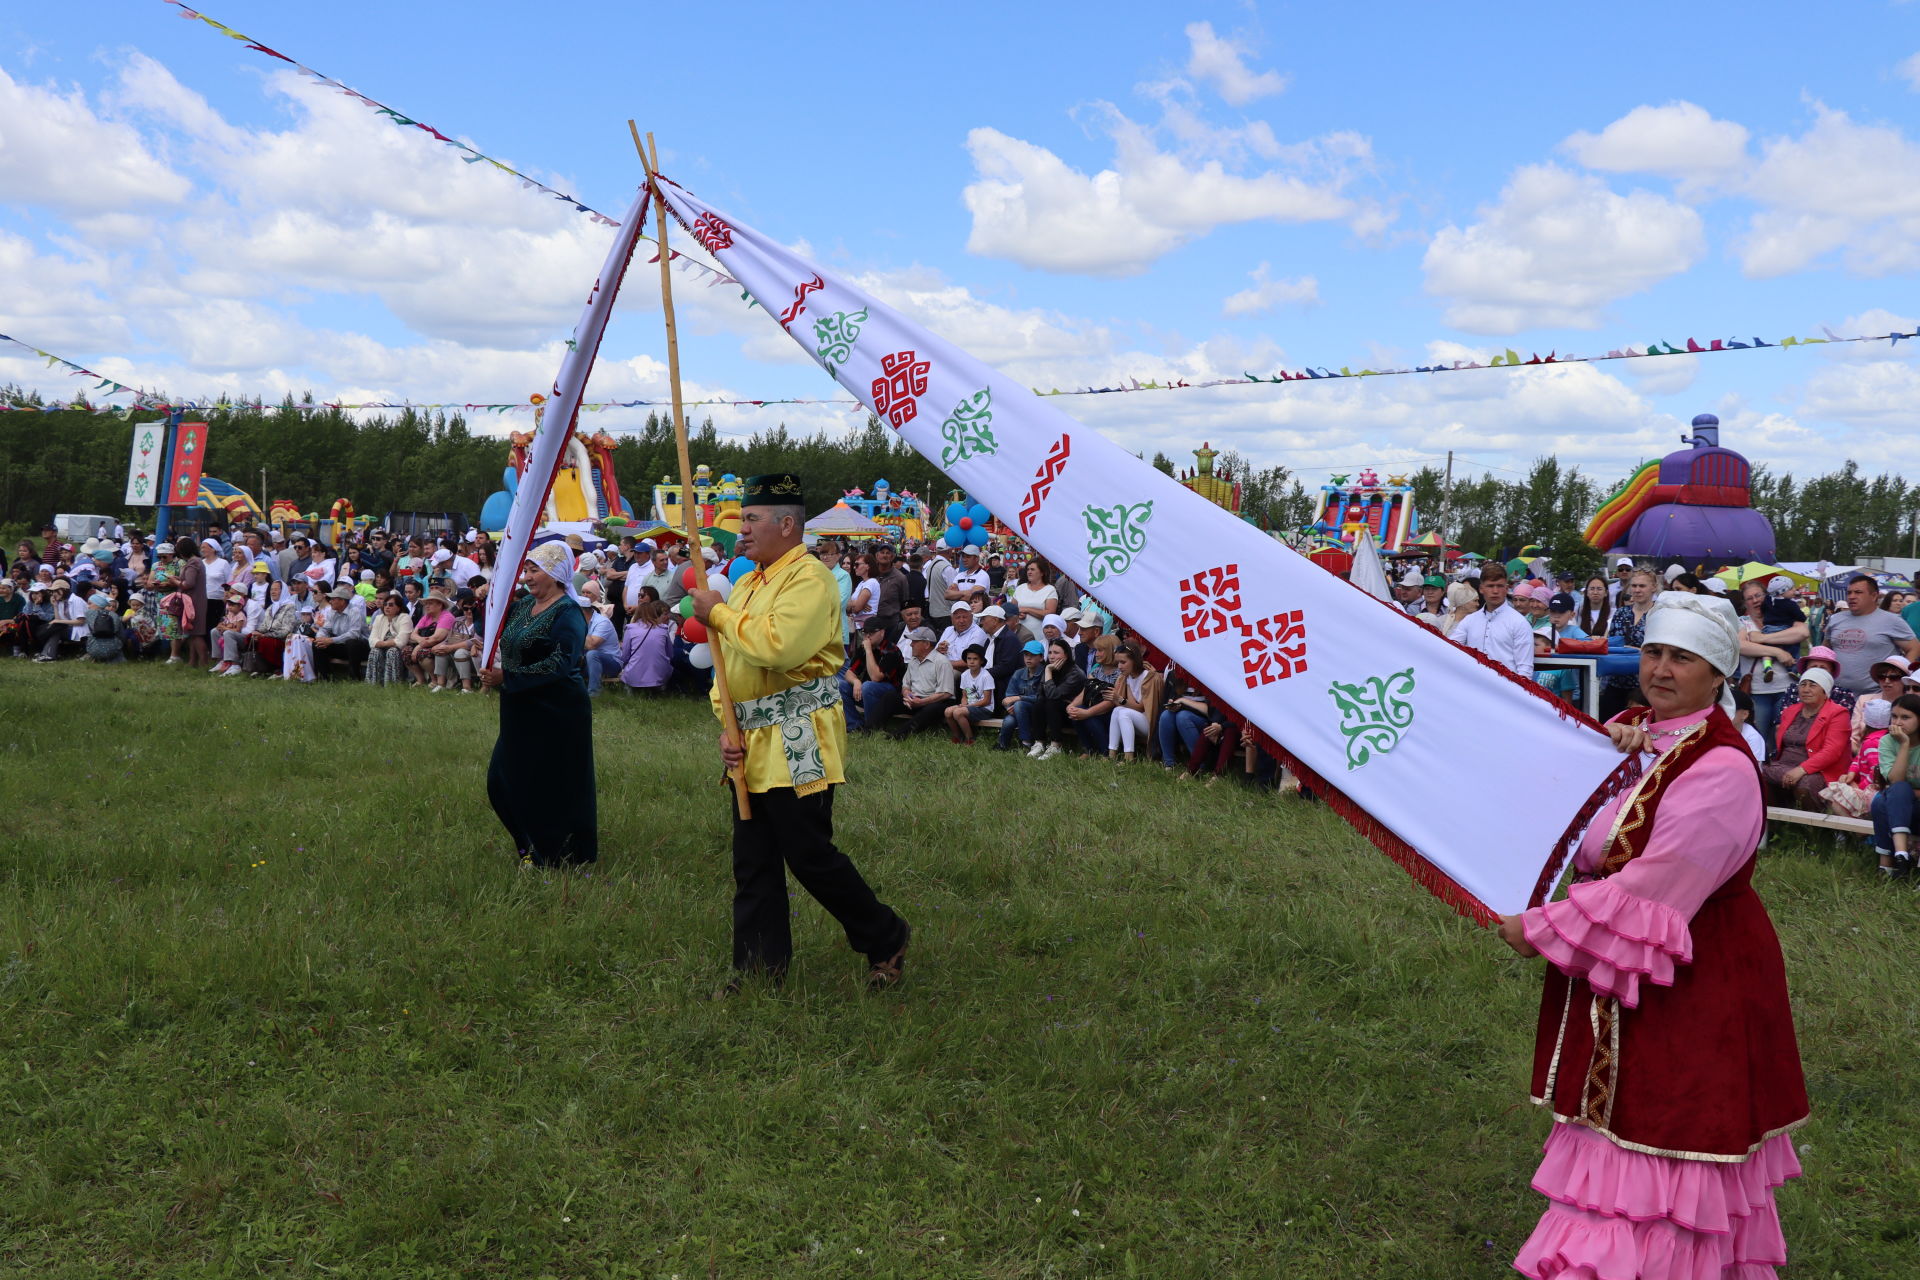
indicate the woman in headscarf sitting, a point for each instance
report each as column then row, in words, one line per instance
column 1812, row 748
column 1666, row 1048
column 541, row 779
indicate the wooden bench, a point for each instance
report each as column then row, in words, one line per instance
column 1826, row 821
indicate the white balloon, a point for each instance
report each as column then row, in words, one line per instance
column 718, row 582
column 700, row 656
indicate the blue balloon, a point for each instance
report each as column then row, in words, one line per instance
column 980, row 514
column 954, row 536
column 977, row 536
column 739, row 569
column 956, row 512
column 511, row 480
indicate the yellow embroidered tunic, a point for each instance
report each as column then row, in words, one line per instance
column 778, row 630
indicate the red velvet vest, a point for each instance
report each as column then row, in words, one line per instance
column 1708, row 1068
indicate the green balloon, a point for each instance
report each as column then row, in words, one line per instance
column 686, row 606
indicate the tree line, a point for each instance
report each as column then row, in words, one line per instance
column 75, row 460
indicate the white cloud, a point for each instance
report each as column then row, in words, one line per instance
column 1664, row 376
column 1222, row 63
column 1909, row 70
column 1876, row 394
column 57, row 152
column 1678, row 140
column 1839, row 189
column 1267, row 294
column 1555, row 250
column 1029, row 206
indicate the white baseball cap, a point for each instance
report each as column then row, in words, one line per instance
column 1070, row 615
column 993, row 611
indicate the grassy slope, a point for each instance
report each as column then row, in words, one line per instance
column 274, row 1000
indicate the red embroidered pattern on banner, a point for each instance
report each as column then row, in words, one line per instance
column 1271, row 649
column 713, row 231
column 1050, row 469
column 799, row 307
column 895, row 396
column 1274, row 648
column 1210, row 602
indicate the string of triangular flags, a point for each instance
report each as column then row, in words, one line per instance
column 711, row 275
column 1507, row 360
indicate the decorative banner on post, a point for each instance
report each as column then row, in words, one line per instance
column 189, row 456
column 143, row 469
column 563, row 407
column 1402, row 723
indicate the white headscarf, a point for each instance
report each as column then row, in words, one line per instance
column 1820, row 676
column 555, row 560
column 1705, row 625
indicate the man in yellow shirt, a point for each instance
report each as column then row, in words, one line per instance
column 779, row 638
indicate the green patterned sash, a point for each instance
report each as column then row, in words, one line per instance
column 791, row 710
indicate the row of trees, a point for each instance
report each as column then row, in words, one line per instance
column 71, row 460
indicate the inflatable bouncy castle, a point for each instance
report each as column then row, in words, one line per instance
column 1692, row 506
column 584, row 490
column 1384, row 510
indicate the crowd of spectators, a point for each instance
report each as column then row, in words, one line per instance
column 1827, row 695
column 978, row 644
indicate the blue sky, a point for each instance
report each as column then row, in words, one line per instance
column 1078, row 193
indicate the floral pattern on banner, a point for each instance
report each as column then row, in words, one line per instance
column 1375, row 714
column 968, row 430
column 1116, row 538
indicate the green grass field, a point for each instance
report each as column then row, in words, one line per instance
column 274, row 1000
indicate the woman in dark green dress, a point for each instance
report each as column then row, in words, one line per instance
column 541, row 780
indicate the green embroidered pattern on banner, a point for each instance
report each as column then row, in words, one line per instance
column 1375, row 714
column 969, row 429
column 1116, row 538
column 837, row 333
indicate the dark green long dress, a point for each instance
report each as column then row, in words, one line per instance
column 541, row 779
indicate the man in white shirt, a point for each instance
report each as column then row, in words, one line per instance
column 462, row 569
column 1498, row 630
column 1622, row 570
column 970, row 577
column 953, row 642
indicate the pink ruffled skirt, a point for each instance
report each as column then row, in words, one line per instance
column 1615, row 1214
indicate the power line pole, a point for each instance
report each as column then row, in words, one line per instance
column 1446, row 512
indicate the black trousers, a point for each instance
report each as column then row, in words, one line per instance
column 923, row 717
column 789, row 830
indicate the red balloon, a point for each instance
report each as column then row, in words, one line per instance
column 966, row 522
column 693, row 579
column 694, row 630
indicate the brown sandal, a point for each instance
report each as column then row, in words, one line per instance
column 882, row 974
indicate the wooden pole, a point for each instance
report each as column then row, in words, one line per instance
column 730, row 723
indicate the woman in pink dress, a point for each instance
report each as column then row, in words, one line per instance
column 1665, row 1048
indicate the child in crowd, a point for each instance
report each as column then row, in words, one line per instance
column 1899, row 769
column 976, row 696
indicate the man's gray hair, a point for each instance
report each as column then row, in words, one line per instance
column 793, row 511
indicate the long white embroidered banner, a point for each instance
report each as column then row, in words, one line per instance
column 1478, row 773
column 563, row 406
